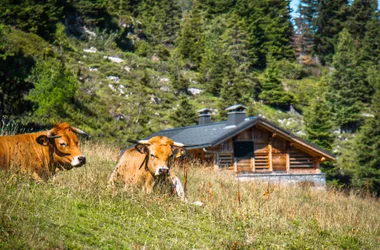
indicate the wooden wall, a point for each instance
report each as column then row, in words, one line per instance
column 271, row 154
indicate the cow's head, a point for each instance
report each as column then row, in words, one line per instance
column 158, row 151
column 64, row 145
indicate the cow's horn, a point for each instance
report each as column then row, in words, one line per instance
column 53, row 136
column 79, row 131
column 143, row 142
column 178, row 144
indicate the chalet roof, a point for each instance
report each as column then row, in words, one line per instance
column 212, row 134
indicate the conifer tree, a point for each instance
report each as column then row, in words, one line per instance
column 191, row 43
column 277, row 29
column 318, row 124
column 161, row 20
column 236, row 41
column 331, row 17
column 348, row 89
column 185, row 114
column 359, row 13
column 370, row 52
column 272, row 91
column 366, row 173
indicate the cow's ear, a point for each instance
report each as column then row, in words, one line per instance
column 142, row 148
column 178, row 152
column 43, row 140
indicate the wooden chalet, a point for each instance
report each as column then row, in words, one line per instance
column 252, row 147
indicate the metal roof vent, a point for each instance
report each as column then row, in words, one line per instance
column 204, row 116
column 236, row 114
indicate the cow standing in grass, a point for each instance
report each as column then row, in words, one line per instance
column 42, row 153
column 147, row 165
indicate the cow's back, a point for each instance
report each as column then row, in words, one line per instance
column 129, row 167
column 23, row 151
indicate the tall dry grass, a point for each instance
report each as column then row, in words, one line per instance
column 75, row 210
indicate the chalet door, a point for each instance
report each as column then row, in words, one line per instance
column 243, row 153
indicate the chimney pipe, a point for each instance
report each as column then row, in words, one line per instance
column 236, row 114
column 204, row 116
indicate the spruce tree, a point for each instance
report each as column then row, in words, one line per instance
column 236, row 42
column 161, row 20
column 185, row 114
column 329, row 22
column 348, row 89
column 359, row 13
column 367, row 146
column 190, row 43
column 272, row 91
column 318, row 125
column 277, row 29
column 370, row 52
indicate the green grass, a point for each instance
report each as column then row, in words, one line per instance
column 75, row 210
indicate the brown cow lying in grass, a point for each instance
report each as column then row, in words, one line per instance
column 41, row 153
column 147, row 165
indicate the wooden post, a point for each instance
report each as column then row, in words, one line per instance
column 288, row 158
column 317, row 161
column 270, row 155
column 253, row 164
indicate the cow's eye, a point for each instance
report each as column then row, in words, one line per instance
column 63, row 144
column 152, row 156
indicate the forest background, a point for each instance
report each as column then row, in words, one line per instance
column 127, row 68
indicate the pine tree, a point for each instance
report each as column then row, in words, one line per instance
column 277, row 29
column 185, row 114
column 348, row 89
column 213, row 65
column 191, row 43
column 161, row 20
column 370, row 52
column 236, row 41
column 318, row 125
column 329, row 22
column 269, row 27
column 272, row 91
column 359, row 13
column 367, row 146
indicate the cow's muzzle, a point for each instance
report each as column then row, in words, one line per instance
column 162, row 171
column 78, row 161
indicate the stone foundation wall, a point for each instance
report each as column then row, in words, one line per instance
column 312, row 180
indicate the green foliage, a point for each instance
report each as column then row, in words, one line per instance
column 54, row 89
column 348, row 89
column 191, row 41
column 184, row 114
column 329, row 22
column 32, row 16
column 366, row 173
column 370, row 51
column 359, row 13
column 272, row 91
column 318, row 124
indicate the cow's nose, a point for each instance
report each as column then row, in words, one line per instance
column 82, row 159
column 163, row 171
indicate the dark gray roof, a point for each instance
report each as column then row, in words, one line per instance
column 212, row 134
column 204, row 135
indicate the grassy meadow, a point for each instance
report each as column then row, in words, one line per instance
column 75, row 210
